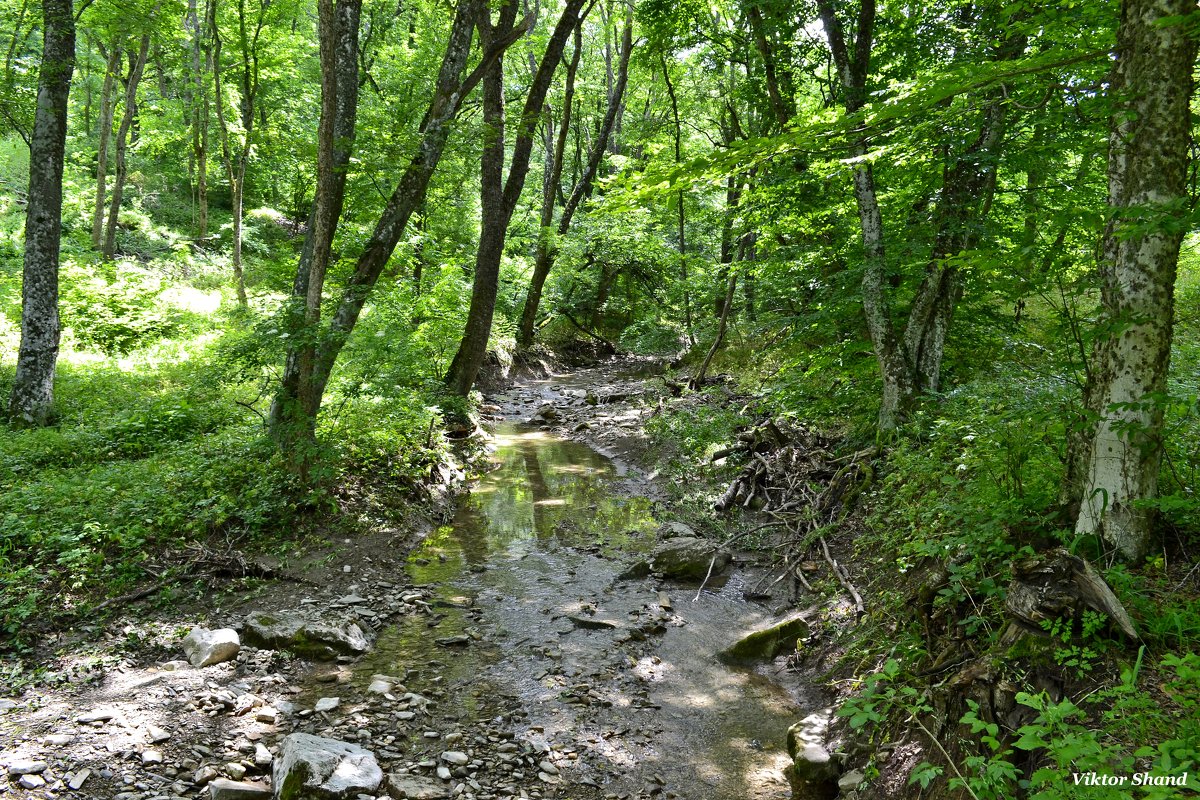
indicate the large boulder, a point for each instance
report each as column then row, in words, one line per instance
column 203, row 647
column 315, row 768
column 305, row 637
column 688, row 557
column 766, row 643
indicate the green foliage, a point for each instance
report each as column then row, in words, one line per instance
column 116, row 316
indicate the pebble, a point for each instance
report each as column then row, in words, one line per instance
column 59, row 739
column 76, row 781
column 443, row 773
column 31, row 781
column 327, row 704
column 26, row 767
column 152, row 757
column 455, row 757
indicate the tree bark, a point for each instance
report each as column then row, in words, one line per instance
column 547, row 250
column 499, row 206
column 32, row 398
column 1119, row 454
column 551, row 187
column 852, row 71
column 118, row 191
column 450, row 92
column 296, row 403
column 199, row 117
column 107, row 104
column 681, row 209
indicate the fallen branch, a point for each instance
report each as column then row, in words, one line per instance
column 843, row 578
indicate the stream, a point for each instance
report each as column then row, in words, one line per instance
column 617, row 677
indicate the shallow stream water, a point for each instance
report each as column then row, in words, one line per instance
column 526, row 578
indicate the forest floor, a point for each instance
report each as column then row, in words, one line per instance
column 520, row 649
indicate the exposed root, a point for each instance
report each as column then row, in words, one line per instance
column 793, row 476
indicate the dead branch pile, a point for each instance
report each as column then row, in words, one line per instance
column 793, row 475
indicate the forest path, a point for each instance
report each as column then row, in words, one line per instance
column 506, row 638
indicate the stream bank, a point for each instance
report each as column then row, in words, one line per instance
column 508, row 635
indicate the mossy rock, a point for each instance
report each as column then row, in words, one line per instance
column 765, row 644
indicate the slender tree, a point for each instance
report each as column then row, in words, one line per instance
column 32, row 399
column 338, row 30
column 546, row 248
column 136, row 68
column 107, row 110
column 499, row 202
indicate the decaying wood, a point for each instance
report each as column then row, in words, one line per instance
column 1058, row 585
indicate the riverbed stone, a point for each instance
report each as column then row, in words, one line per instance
column 314, row 638
column 416, row 787
column 27, row 766
column 811, row 761
column 225, row 789
column 766, row 643
column 204, row 647
column 688, row 557
column 316, row 768
column 674, row 530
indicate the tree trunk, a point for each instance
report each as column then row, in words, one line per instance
column 698, row 380
column 296, row 403
column 682, row 218
column 852, row 70
column 32, row 399
column 1120, row 453
column 451, row 89
column 556, row 153
column 968, row 185
column 106, row 122
column 235, row 167
column 498, row 209
column 493, row 222
column 114, row 205
column 199, row 119
column 547, row 249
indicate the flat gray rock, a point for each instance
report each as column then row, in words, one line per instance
column 416, row 787
column 315, row 768
column 225, row 789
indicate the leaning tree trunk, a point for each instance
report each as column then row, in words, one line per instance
column 450, row 91
column 114, row 204
column 295, row 403
column 556, row 148
column 32, row 399
column 473, row 348
column 107, row 104
column 1118, row 457
column 546, row 251
column 199, row 119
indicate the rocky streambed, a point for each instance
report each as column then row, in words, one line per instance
column 550, row 641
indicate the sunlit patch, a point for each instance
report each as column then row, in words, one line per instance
column 552, row 501
column 191, row 299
